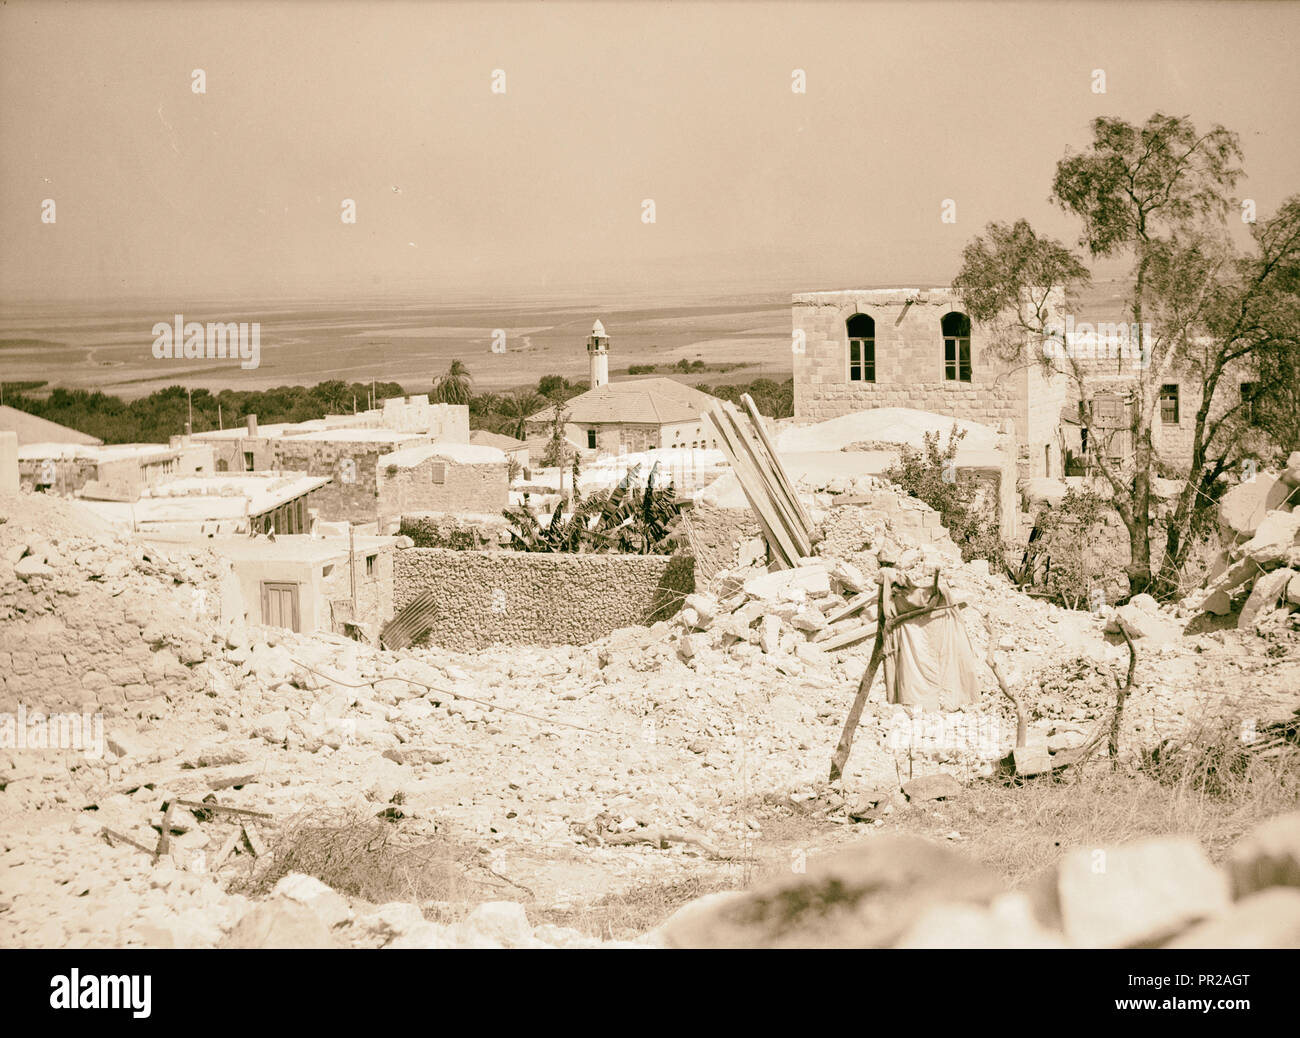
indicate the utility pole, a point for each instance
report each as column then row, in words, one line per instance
column 220, row 423
column 352, row 571
column 189, row 423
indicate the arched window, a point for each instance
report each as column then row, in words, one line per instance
column 956, row 347
column 862, row 348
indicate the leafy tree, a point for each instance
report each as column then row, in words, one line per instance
column 1158, row 194
column 453, row 386
column 620, row 520
column 517, row 408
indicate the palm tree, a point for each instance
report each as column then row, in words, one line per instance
column 518, row 407
column 454, row 386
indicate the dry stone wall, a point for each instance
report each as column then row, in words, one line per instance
column 535, row 598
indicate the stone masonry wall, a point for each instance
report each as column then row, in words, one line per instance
column 352, row 495
column 374, row 590
column 910, row 369
column 466, row 488
column 495, row 597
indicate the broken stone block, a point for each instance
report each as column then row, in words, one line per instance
column 1244, row 507
column 812, row 580
column 1218, row 602
column 1274, row 538
column 502, row 921
column 1139, row 894
column 32, row 566
column 689, row 646
column 705, row 608
column 1268, row 591
column 1267, row 919
column 1269, row 856
column 769, row 634
column 808, row 619
column 1141, row 624
column 330, row 908
column 1293, row 591
column 1291, row 474
column 939, row 786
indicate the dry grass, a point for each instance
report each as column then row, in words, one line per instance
column 367, row 858
column 624, row 916
column 1021, row 831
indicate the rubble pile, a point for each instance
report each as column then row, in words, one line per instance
column 1258, row 574
column 90, row 618
column 574, row 771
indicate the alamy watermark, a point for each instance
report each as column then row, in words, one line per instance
column 40, row 731
column 216, row 340
column 1101, row 341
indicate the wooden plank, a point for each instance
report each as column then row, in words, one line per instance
column 113, row 834
column 777, row 537
column 856, row 634
column 799, row 533
column 770, row 447
column 165, row 836
column 848, row 609
column 226, row 848
column 752, row 457
column 255, row 843
column 199, row 805
column 841, row 755
column 746, row 479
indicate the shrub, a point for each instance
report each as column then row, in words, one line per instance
column 930, row 475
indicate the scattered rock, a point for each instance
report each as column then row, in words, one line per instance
column 1138, row 894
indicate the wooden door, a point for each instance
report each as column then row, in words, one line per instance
column 280, row 605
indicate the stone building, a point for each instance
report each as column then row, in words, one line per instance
column 442, row 477
column 902, row 347
column 306, row 583
column 248, row 447
column 635, row 414
column 117, row 472
column 350, row 457
column 1112, row 377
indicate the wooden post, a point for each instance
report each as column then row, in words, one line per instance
column 352, row 572
column 855, row 712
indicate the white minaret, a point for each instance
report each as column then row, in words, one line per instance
column 598, row 355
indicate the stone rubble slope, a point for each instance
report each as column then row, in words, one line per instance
column 1258, row 574
column 630, row 738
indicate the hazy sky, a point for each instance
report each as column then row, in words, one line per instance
column 162, row 193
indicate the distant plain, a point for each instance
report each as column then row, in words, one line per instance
column 108, row 347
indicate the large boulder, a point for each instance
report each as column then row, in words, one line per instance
column 1269, row 590
column 1269, row 856
column 1244, row 507
column 864, row 897
column 1268, row 919
column 1274, row 538
column 1139, row 894
column 1291, row 475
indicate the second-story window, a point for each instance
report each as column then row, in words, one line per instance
column 956, row 347
column 1169, row 404
column 862, row 348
